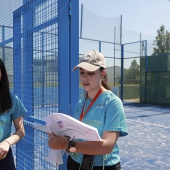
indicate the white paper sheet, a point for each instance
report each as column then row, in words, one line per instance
column 63, row 124
column 66, row 125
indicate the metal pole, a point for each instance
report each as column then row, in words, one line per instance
column 100, row 46
column 122, row 58
column 114, row 53
column 81, row 21
column 146, row 70
column 122, row 66
column 121, row 30
column 43, row 71
column 3, row 39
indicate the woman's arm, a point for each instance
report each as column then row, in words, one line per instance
column 98, row 148
column 90, row 147
column 19, row 133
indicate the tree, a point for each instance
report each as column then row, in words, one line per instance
column 162, row 41
column 132, row 75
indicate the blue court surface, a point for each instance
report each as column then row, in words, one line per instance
column 147, row 147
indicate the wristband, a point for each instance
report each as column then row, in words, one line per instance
column 71, row 145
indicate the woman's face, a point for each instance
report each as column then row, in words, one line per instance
column 90, row 80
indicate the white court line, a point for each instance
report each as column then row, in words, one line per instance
column 149, row 124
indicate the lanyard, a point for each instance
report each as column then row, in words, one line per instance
column 83, row 113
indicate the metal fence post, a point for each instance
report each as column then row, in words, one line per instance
column 122, row 71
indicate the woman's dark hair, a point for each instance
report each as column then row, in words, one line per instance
column 5, row 98
column 105, row 80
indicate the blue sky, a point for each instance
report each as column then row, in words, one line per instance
column 143, row 16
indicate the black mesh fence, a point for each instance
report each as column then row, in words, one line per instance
column 155, row 79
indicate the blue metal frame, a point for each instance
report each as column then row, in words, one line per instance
column 68, row 57
column 17, row 63
column 27, row 78
column 28, row 59
column 63, row 62
column 74, row 53
column 68, row 52
column 63, row 59
column 17, row 53
column 3, row 39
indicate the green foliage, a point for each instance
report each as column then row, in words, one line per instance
column 131, row 91
column 132, row 75
column 162, row 41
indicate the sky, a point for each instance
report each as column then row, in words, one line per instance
column 141, row 16
column 138, row 16
column 145, row 16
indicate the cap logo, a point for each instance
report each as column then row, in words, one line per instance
column 86, row 58
column 92, row 61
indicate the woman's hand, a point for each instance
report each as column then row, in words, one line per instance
column 4, row 148
column 57, row 142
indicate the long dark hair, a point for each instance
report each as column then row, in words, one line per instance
column 5, row 98
column 105, row 80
